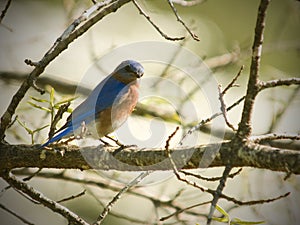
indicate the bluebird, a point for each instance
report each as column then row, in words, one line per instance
column 108, row 105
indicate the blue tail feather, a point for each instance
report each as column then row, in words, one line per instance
column 59, row 136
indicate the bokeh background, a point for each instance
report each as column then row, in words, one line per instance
column 225, row 27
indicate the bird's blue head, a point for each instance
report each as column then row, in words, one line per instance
column 128, row 71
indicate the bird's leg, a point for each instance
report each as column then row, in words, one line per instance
column 104, row 142
column 115, row 140
column 68, row 140
column 83, row 131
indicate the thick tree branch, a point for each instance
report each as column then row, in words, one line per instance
column 134, row 159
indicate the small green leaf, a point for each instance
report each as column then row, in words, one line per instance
column 224, row 219
column 66, row 100
column 38, row 99
column 242, row 222
column 222, row 211
column 39, row 107
column 221, row 220
column 52, row 97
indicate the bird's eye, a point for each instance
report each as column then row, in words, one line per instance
column 128, row 68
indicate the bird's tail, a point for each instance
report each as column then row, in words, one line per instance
column 59, row 136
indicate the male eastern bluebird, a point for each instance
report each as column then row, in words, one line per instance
column 108, row 105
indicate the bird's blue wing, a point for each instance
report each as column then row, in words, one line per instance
column 101, row 98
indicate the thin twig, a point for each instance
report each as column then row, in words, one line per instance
column 279, row 82
column 205, row 121
column 194, row 36
column 4, row 11
column 217, row 194
column 274, row 136
column 109, row 206
column 32, row 175
column 115, row 214
column 37, row 88
column 142, row 12
column 232, row 175
column 232, row 83
column 175, row 170
column 223, row 108
column 183, row 210
column 72, row 197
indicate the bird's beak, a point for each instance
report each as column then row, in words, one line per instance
column 140, row 73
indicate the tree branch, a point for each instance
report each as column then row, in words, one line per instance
column 134, row 159
column 194, row 36
column 4, row 11
column 244, row 129
column 142, row 12
column 280, row 82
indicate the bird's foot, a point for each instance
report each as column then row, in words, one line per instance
column 115, row 140
column 122, row 148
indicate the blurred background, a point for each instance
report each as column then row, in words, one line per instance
column 226, row 30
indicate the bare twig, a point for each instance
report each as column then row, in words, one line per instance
column 4, row 11
column 72, row 197
column 142, row 12
column 274, row 136
column 223, row 108
column 217, row 194
column 244, row 129
column 194, row 36
column 232, row 83
column 232, row 175
column 119, row 215
column 109, row 206
column 205, row 121
column 183, row 210
column 179, row 177
column 38, row 196
column 32, row 175
column 279, row 82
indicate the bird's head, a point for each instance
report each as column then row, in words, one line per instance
column 128, row 71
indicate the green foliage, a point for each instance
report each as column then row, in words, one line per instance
column 235, row 221
column 51, row 106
